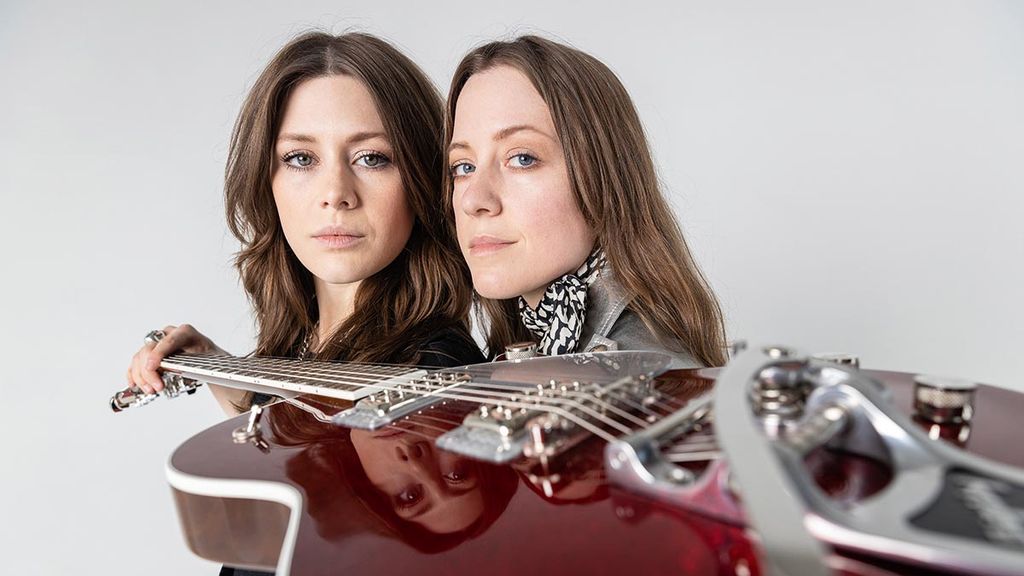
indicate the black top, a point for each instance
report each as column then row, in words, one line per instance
column 449, row 347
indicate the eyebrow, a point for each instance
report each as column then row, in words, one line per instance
column 357, row 137
column 503, row 134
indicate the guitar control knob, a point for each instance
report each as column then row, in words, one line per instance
column 779, row 391
column 943, row 400
column 520, row 350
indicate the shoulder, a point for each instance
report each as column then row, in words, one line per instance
column 611, row 325
column 451, row 346
column 630, row 333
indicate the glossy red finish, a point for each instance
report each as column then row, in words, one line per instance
column 391, row 503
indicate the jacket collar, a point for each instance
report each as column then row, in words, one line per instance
column 606, row 301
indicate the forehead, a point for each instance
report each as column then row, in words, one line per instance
column 499, row 97
column 330, row 104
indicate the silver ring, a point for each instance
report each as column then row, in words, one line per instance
column 155, row 336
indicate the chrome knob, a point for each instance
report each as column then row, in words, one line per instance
column 520, row 350
column 779, row 391
column 943, row 400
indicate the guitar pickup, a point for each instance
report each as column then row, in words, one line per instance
column 390, row 404
column 493, row 433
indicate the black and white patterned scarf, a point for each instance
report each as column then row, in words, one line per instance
column 558, row 318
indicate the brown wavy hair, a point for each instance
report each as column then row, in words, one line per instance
column 426, row 288
column 616, row 186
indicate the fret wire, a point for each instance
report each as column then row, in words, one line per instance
column 268, row 370
column 311, row 379
column 323, row 368
column 328, row 374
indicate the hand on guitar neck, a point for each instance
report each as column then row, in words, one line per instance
column 144, row 372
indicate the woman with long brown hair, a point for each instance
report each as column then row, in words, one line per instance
column 332, row 187
column 559, row 213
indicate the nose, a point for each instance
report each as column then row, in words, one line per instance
column 339, row 190
column 481, row 196
column 410, row 452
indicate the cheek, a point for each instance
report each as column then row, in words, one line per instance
column 290, row 192
column 287, row 212
column 462, row 228
column 396, row 218
column 551, row 222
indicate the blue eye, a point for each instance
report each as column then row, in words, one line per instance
column 373, row 160
column 298, row 160
column 523, row 161
column 462, row 169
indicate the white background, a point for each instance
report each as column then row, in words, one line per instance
column 849, row 175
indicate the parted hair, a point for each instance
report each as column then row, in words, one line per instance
column 426, row 288
column 615, row 183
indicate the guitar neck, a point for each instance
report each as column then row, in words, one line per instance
column 290, row 377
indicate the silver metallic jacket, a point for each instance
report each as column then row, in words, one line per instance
column 610, row 326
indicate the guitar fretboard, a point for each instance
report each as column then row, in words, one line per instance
column 291, row 376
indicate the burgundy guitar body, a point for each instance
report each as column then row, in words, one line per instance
column 308, row 497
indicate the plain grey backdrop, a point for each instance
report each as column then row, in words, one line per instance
column 849, row 175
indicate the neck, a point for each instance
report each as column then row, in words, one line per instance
column 336, row 302
column 533, row 298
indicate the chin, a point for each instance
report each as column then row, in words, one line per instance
column 496, row 287
column 342, row 275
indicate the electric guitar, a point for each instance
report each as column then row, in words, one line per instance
column 604, row 463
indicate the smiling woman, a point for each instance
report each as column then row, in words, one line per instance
column 332, row 188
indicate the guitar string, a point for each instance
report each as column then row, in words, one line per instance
column 325, row 368
column 218, row 362
column 658, row 398
column 499, row 397
column 233, row 366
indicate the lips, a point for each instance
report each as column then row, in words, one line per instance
column 337, row 236
column 483, row 244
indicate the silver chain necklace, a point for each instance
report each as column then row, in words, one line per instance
column 307, row 342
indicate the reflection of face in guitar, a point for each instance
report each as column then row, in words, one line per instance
column 437, row 490
column 392, row 481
